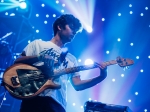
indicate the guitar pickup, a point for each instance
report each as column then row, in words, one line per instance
column 15, row 81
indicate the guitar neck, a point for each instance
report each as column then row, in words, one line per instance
column 58, row 73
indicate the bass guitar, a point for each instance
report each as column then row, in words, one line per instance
column 24, row 81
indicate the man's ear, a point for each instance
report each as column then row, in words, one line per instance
column 59, row 28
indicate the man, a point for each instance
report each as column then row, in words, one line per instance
column 50, row 54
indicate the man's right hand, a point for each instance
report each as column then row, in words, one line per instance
column 48, row 66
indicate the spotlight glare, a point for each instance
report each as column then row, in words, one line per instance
column 89, row 29
column 130, row 5
column 6, row 13
column 88, row 62
column 47, row 15
column 113, row 80
column 63, row 5
column 57, row 1
column 54, row 15
column 122, row 75
column 23, row 5
column 129, row 100
column 81, row 107
column 12, row 14
column 149, row 56
column 79, row 60
column 119, row 39
column 141, row 70
column 103, row 19
column 107, row 52
column 146, row 8
column 43, row 5
column 73, row 104
column 136, row 93
column 131, row 44
column 142, row 14
column 131, row 12
column 37, row 31
column 137, row 57
column 119, row 14
column 37, row 15
column 4, row 98
column 90, row 99
column 45, row 22
column 29, row 41
column 62, row 11
column 145, row 110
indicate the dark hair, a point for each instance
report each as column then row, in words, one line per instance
column 67, row 19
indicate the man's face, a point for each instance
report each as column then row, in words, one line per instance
column 67, row 34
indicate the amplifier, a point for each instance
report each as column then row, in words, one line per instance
column 91, row 106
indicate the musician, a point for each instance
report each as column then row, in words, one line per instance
column 49, row 56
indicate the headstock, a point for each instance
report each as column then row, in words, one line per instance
column 124, row 62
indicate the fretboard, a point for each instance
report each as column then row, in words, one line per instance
column 58, row 73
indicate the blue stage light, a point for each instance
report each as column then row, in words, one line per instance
column 23, row 5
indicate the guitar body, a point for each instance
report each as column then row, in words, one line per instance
column 24, row 81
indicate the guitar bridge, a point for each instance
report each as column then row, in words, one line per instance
column 15, row 81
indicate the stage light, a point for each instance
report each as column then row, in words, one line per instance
column 142, row 14
column 23, row 8
column 113, row 80
column 90, row 99
column 146, row 8
column 12, row 14
column 62, row 11
column 88, row 62
column 89, row 29
column 136, row 93
column 54, row 15
column 37, row 31
column 4, row 98
column 141, row 70
column 131, row 44
column 130, row 5
column 145, row 110
column 29, row 41
column 119, row 14
column 57, row 1
column 137, row 57
column 73, row 104
column 149, row 57
column 23, row 5
column 131, row 12
column 37, row 15
column 47, row 16
column 122, row 75
column 103, row 19
column 45, row 22
column 129, row 100
column 79, row 60
column 63, row 5
column 6, row 13
column 119, row 39
column 107, row 52
column 43, row 5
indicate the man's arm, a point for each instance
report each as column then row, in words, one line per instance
column 79, row 84
column 26, row 60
